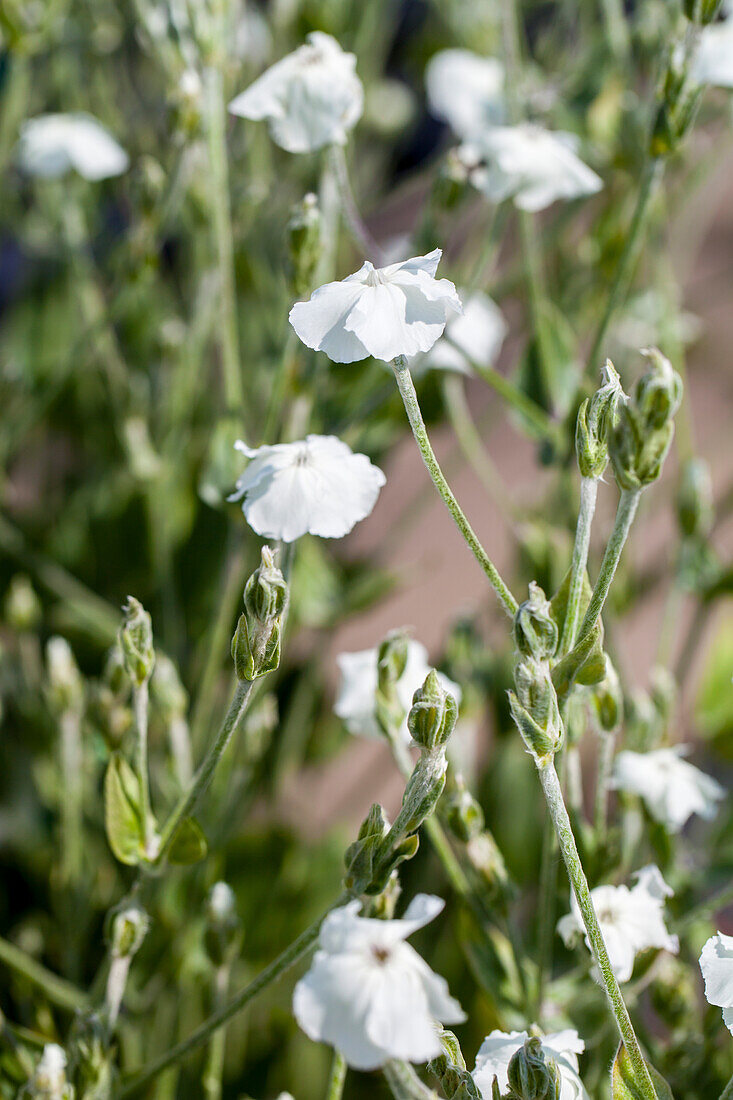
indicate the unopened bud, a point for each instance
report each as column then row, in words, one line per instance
column 304, row 243
column 642, row 436
column 463, row 814
column 702, row 11
column 433, row 714
column 22, row 606
column 695, row 499
column 49, row 1079
column 129, row 928
column 136, row 641
column 256, row 642
column 423, row 790
column 532, row 1075
column 535, row 630
column 608, row 699
column 596, row 417
column 115, row 675
column 65, row 687
column 485, row 857
column 372, row 858
column 392, row 658
column 223, row 934
column 535, row 708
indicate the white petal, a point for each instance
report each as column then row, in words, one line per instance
column 712, row 61
column 355, row 700
column 716, row 964
column 331, row 1004
column 465, row 90
column 493, row 1058
column 52, row 144
column 477, row 335
column 320, row 322
column 398, row 1020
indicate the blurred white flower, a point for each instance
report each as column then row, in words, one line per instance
column 530, row 165
column 385, row 312
column 712, row 62
column 476, row 336
column 671, row 788
column 221, row 902
column 631, row 920
column 52, row 145
column 369, row 994
column 316, row 486
column 311, row 98
column 49, row 1079
column 716, row 964
column 465, row 90
column 355, row 700
column 498, row 1049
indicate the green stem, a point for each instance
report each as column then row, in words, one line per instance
column 337, row 1077
column 140, row 707
column 556, row 805
column 579, row 562
column 546, row 915
column 727, row 1093
column 58, row 990
column 404, row 1082
column 412, row 408
column 221, row 216
column 625, row 513
column 214, row 1069
column 189, row 800
column 650, row 180
column 72, row 808
column 291, row 955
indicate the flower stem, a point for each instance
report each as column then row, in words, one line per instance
column 291, row 955
column 72, row 808
column 561, row 821
column 214, row 1068
column 405, row 1083
column 409, row 397
column 58, row 990
column 357, row 227
column 190, row 798
column 650, row 180
column 140, row 707
column 337, row 1077
column 625, row 513
column 221, row 214
column 579, row 561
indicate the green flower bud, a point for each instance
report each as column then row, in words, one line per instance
column 643, row 433
column 65, row 687
column 423, row 790
column 256, row 641
column 535, row 630
column 695, row 499
column 304, row 243
column 484, row 855
column 532, row 1075
column 136, row 641
column 167, row 689
column 392, row 658
column 364, row 854
column 676, row 109
column 129, row 928
column 450, row 1070
column 92, row 1058
column 223, row 934
column 115, row 675
column 596, row 417
column 433, row 714
column 22, row 606
column 702, row 11
column 463, row 814
column 535, row 708
column 608, row 699
column 382, row 906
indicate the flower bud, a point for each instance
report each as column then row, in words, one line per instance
column 382, row 906
column 532, row 1075
column 167, row 689
column 49, row 1079
column 535, row 630
column 463, row 814
column 223, row 935
column 643, row 433
column 608, row 699
column 484, row 855
column 65, row 687
column 22, row 606
column 433, row 714
column 136, row 641
column 374, row 855
column 450, row 1070
column 115, row 675
column 129, row 928
column 256, row 641
column 695, row 499
column 423, row 790
column 535, row 708
column 392, row 658
column 596, row 417
column 702, row 11
column 304, row 243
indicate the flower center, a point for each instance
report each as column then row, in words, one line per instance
column 381, row 954
column 302, row 458
column 375, row 278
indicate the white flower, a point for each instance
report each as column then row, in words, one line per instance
column 49, row 1079
column 316, row 486
column 222, row 903
column 477, row 334
column 311, row 98
column 355, row 701
column 385, row 312
column 465, row 90
column 52, row 145
column 530, row 165
column 716, row 964
column 671, row 788
column 499, row 1047
column 631, row 920
column 369, row 994
column 713, row 59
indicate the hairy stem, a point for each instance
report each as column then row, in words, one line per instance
column 405, row 1083
column 214, row 1068
column 72, row 808
column 579, row 562
column 625, row 513
column 561, row 821
column 337, row 1077
column 409, row 397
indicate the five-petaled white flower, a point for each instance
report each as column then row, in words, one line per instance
column 631, row 920
column 712, row 62
column 385, row 312
column 474, row 336
column 316, row 486
column 311, row 98
column 528, row 164
column 355, row 701
column 716, row 964
column 498, row 1049
column 465, row 90
column 52, row 145
column 671, row 788
column 369, row 994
